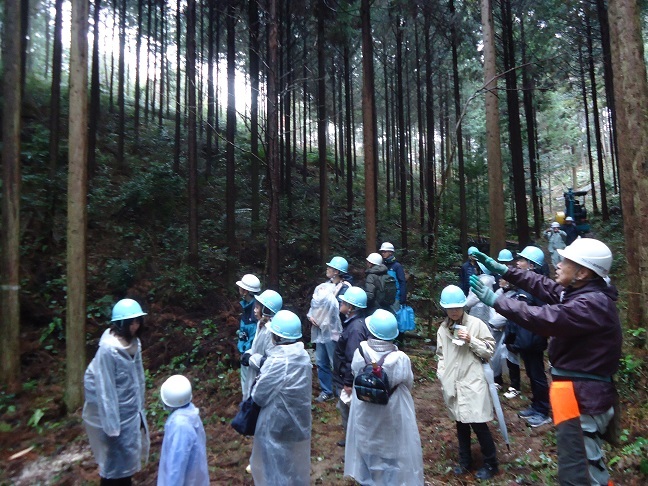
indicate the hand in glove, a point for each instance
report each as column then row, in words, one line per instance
column 483, row 293
column 489, row 263
column 245, row 359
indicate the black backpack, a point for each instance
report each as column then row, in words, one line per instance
column 386, row 290
column 372, row 384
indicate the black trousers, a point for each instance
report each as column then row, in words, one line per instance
column 534, row 364
column 116, row 482
column 486, row 444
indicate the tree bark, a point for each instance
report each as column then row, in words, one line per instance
column 192, row 145
column 254, row 46
column 368, row 134
column 322, row 125
column 272, row 153
column 121, row 73
column 75, row 336
column 430, row 142
column 138, row 46
column 10, row 231
column 95, row 104
column 402, row 147
column 178, row 110
column 631, row 102
column 496, row 211
column 230, row 183
column 55, row 93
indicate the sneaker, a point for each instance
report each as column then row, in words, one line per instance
column 527, row 412
column 323, row 397
column 486, row 472
column 498, row 387
column 511, row 393
column 341, row 443
column 460, row 470
column 248, row 469
column 538, row 419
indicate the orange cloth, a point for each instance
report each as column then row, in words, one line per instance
column 563, row 401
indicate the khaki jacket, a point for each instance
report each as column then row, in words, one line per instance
column 460, row 371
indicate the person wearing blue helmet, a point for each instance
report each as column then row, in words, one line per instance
column 114, row 413
column 354, row 331
column 326, row 325
column 282, row 438
column 464, row 342
column 383, row 445
column 469, row 268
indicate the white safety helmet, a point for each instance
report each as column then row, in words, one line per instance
column 555, row 224
column 176, row 391
column 387, row 246
column 250, row 282
column 375, row 258
column 589, row 253
column 569, row 218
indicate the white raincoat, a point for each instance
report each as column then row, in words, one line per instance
column 262, row 342
column 325, row 310
column 476, row 307
column 282, row 440
column 114, row 413
column 383, row 446
column 460, row 371
column 183, row 461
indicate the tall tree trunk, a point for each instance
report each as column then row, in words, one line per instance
column 587, row 129
column 527, row 98
column 430, row 142
column 24, row 45
column 138, row 46
column 515, row 131
column 347, row 102
column 163, row 62
column 631, row 102
column 463, row 212
column 178, row 107
column 192, row 144
column 597, row 124
column 286, row 104
column 75, row 340
column 211, row 19
column 55, row 93
column 149, row 48
column 322, row 125
column 368, row 118
column 402, row 147
column 230, row 182
column 272, row 153
column 10, row 230
column 254, row 47
column 388, row 136
column 95, row 105
column 120, row 85
column 420, row 135
column 496, row 212
column 305, row 114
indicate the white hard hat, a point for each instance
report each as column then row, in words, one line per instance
column 589, row 253
column 569, row 218
column 375, row 258
column 555, row 224
column 176, row 391
column 387, row 246
column 250, row 282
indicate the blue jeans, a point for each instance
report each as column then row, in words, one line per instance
column 324, row 361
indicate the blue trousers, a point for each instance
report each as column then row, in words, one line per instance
column 324, row 361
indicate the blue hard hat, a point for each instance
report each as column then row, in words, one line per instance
column 126, row 309
column 339, row 263
column 286, row 324
column 472, row 249
column 355, row 296
column 271, row 300
column 533, row 254
column 452, row 297
column 383, row 325
column 505, row 256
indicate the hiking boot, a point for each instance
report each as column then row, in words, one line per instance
column 527, row 412
column 323, row 397
column 511, row 393
column 486, row 472
column 538, row 419
column 460, row 469
column 341, row 443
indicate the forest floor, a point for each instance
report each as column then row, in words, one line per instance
column 40, row 444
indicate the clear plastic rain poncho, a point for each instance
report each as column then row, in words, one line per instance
column 383, row 446
column 476, row 307
column 325, row 310
column 114, row 413
column 184, row 450
column 262, row 342
column 282, row 440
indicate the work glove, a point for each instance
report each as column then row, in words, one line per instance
column 488, row 262
column 483, row 293
column 245, row 359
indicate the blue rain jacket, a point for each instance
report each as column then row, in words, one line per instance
column 247, row 326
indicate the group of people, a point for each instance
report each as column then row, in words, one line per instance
column 485, row 326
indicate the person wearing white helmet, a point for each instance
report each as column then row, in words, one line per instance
column 183, row 459
column 469, row 268
column 570, row 229
column 395, row 269
column 248, row 287
column 557, row 241
column 376, row 277
column 326, row 325
column 282, row 439
column 464, row 342
column 383, row 445
column 585, row 347
column 353, row 306
column 114, row 413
